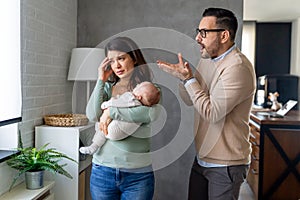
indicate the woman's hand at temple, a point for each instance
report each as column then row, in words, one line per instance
column 104, row 70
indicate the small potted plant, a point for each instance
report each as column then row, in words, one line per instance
column 33, row 162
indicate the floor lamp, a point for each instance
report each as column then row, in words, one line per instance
column 84, row 65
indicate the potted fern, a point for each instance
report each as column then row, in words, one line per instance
column 33, row 162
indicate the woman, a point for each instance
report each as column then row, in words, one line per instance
column 122, row 169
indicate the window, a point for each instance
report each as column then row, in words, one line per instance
column 10, row 73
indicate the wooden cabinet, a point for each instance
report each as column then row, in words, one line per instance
column 254, row 166
column 67, row 140
column 275, row 160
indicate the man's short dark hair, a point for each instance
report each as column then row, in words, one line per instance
column 225, row 19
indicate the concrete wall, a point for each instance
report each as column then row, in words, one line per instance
column 99, row 20
column 48, row 35
column 162, row 29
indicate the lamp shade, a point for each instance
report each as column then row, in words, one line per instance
column 84, row 63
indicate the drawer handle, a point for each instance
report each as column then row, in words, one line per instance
column 254, row 157
column 254, row 143
column 254, row 171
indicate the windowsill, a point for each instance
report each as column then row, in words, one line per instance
column 6, row 154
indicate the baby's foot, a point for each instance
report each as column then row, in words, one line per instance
column 88, row 150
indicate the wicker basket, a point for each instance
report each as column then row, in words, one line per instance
column 66, row 120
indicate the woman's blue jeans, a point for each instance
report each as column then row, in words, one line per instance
column 114, row 184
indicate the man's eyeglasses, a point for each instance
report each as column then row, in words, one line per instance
column 204, row 31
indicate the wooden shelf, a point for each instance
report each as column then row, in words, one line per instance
column 85, row 163
column 21, row 193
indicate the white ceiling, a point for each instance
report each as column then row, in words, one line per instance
column 271, row 10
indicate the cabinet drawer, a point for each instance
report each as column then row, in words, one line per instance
column 252, row 177
column 254, row 140
column 255, row 135
column 255, row 152
column 252, row 180
column 254, row 167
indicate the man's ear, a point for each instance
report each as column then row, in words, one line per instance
column 225, row 36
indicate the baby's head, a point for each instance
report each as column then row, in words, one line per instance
column 147, row 93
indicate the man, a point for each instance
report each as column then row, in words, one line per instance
column 221, row 91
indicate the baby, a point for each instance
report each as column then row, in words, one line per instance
column 144, row 93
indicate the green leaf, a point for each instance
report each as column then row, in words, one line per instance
column 33, row 159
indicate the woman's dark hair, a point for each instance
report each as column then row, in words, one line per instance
column 225, row 19
column 141, row 70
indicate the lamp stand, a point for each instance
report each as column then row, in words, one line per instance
column 88, row 87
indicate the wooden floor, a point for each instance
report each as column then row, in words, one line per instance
column 246, row 193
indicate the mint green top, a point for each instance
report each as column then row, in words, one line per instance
column 133, row 151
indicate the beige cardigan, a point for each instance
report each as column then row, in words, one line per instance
column 222, row 98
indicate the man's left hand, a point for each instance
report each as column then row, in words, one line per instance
column 180, row 70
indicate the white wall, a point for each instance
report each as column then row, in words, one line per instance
column 295, row 45
column 295, row 53
column 49, row 29
column 248, row 40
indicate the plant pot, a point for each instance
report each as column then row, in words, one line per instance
column 34, row 180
